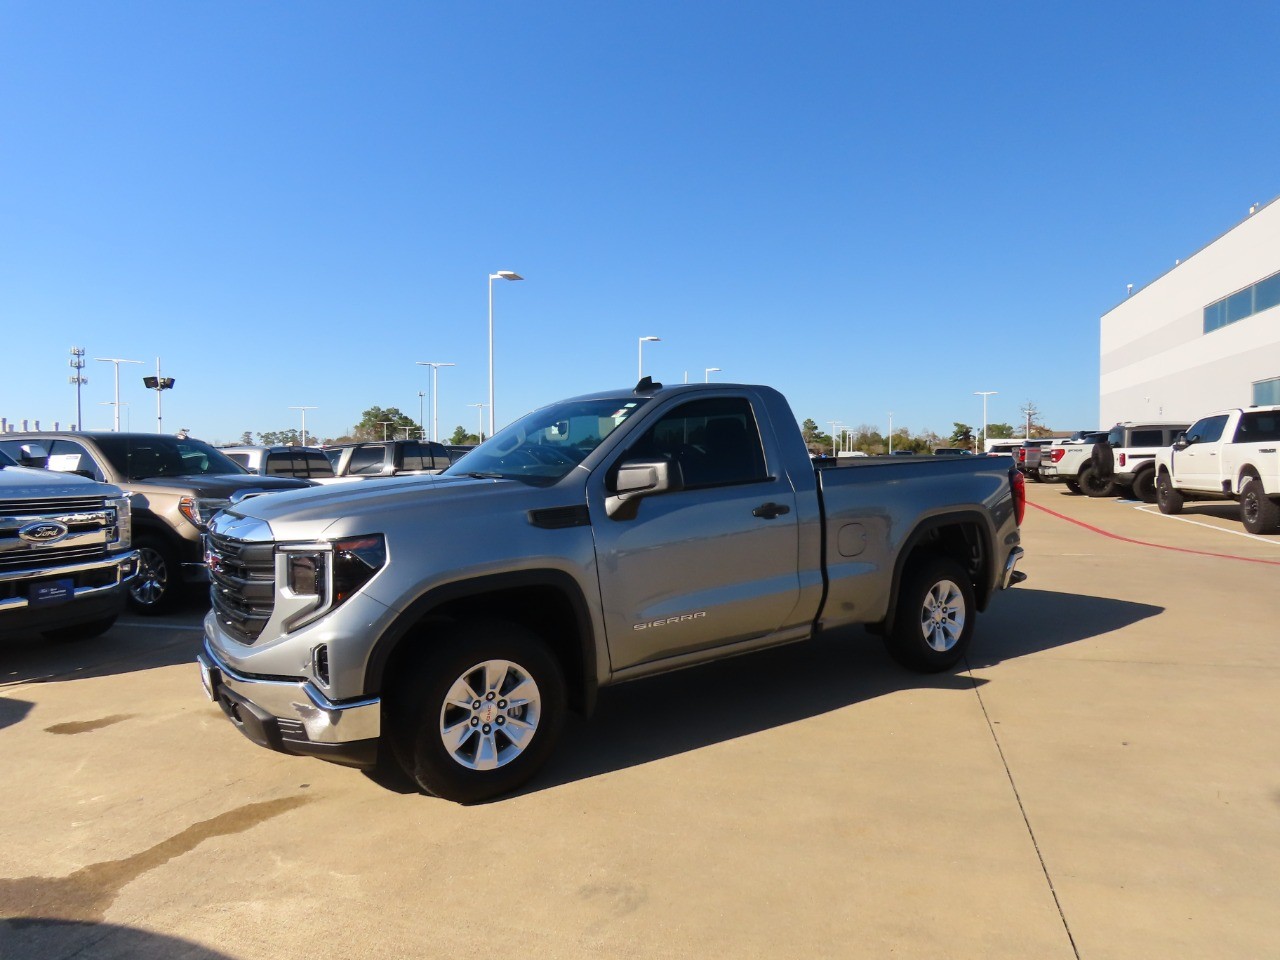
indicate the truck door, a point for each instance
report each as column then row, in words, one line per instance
column 710, row 564
column 1197, row 467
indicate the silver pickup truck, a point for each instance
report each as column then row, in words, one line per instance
column 448, row 622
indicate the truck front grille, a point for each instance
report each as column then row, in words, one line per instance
column 88, row 528
column 242, row 584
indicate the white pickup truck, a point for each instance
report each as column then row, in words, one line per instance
column 1229, row 455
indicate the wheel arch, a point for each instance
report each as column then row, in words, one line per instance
column 548, row 602
column 965, row 536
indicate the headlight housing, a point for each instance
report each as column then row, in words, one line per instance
column 122, row 533
column 200, row 510
column 314, row 578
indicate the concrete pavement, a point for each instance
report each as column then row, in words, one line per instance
column 1100, row 782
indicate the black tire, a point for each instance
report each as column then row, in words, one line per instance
column 80, row 631
column 1103, row 460
column 1092, row 485
column 1073, row 486
column 158, row 582
column 420, row 714
column 933, row 622
column 1169, row 499
column 1258, row 512
column 1144, row 486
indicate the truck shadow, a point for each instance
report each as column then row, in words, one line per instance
column 665, row 716
column 55, row 939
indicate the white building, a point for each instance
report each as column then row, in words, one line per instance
column 1204, row 336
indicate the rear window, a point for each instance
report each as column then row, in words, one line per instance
column 1146, row 438
column 366, row 460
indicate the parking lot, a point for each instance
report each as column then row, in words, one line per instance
column 1100, row 781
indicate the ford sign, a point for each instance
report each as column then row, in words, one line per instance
column 43, row 531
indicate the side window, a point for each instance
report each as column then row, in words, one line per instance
column 240, row 458
column 366, row 460
column 279, row 464
column 1258, row 427
column 437, row 458
column 1145, row 438
column 411, row 453
column 1208, row 430
column 317, row 464
column 715, row 441
column 70, row 457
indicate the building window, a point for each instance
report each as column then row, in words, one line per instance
column 1267, row 392
column 1243, row 303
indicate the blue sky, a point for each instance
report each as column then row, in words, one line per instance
column 873, row 208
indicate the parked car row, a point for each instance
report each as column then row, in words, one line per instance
column 1228, row 455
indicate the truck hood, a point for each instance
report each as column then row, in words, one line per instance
column 215, row 486
column 372, row 504
column 18, row 483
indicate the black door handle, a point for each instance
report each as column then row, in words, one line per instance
column 770, row 511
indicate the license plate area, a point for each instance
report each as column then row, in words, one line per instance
column 209, row 680
column 50, row 593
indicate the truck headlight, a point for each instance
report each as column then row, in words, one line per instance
column 199, row 511
column 317, row 577
column 122, row 533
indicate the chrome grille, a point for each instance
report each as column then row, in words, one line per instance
column 242, row 584
column 60, row 504
column 50, row 556
column 90, row 526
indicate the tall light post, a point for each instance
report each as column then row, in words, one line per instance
column 706, row 376
column 500, row 275
column 834, row 424
column 643, row 341
column 984, row 394
column 422, row 430
column 77, row 364
column 435, row 407
column 385, row 424
column 480, row 424
column 890, row 431
column 117, row 361
column 304, row 422
column 159, row 384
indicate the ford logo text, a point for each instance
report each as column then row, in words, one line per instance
column 43, row 531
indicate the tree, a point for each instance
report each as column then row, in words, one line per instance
column 378, row 423
column 280, row 438
column 999, row 431
column 246, row 439
column 1031, row 420
column 460, row 437
column 958, row 435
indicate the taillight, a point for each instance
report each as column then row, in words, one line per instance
column 1058, row 454
column 1019, row 483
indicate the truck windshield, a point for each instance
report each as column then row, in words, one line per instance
column 140, row 457
column 543, row 446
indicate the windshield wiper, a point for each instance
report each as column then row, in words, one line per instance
column 487, row 476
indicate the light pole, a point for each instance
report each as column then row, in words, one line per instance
column 706, row 377
column 834, row 424
column 117, row 361
column 77, row 364
column 984, row 394
column 435, row 407
column 159, row 384
column 422, row 430
column 643, row 341
column 385, row 424
column 304, row 422
column 480, row 424
column 500, row 275
column 891, row 432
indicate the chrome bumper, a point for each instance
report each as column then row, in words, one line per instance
column 1011, row 574
column 125, row 564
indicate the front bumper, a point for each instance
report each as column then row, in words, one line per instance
column 293, row 716
column 81, row 592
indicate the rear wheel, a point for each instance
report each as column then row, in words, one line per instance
column 1258, row 512
column 1144, row 486
column 480, row 714
column 933, row 624
column 156, row 585
column 1169, row 499
column 80, row 631
column 1073, row 486
column 1092, row 485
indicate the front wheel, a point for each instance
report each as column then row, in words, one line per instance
column 1169, row 499
column 933, row 624
column 156, row 585
column 481, row 713
column 1259, row 513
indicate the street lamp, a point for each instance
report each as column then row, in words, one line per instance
column 890, row 431
column 706, row 378
column 480, row 424
column 117, row 361
column 500, row 275
column 159, row 384
column 304, row 422
column 385, row 424
column 643, row 341
column 984, row 394
column 435, row 407
column 422, row 430
column 834, row 424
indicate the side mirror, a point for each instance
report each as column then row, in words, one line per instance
column 33, row 455
column 638, row 479
column 1183, row 442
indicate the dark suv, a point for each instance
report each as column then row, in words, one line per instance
column 177, row 485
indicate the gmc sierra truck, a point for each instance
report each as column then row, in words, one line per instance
column 65, row 558
column 447, row 622
column 1230, row 455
